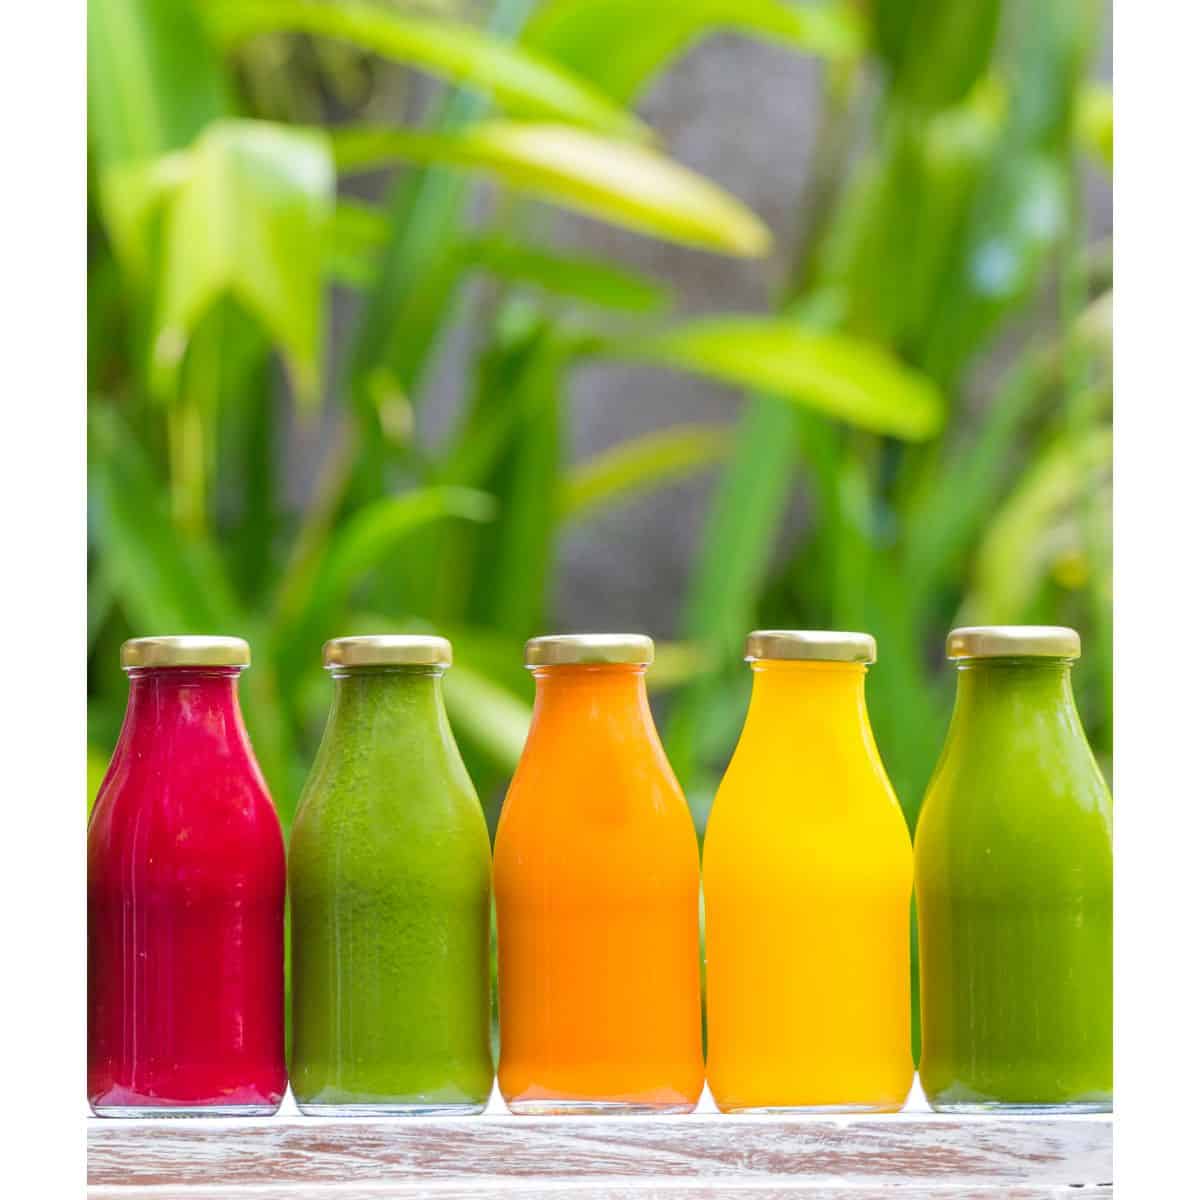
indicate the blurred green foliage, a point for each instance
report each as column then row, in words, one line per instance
column 942, row 216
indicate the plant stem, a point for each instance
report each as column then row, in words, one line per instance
column 189, row 418
column 332, row 480
column 819, row 198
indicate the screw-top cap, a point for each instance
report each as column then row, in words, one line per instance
column 1013, row 641
column 185, row 651
column 581, row 649
column 810, row 645
column 388, row 650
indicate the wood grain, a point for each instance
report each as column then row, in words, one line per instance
column 652, row 1190
column 684, row 1158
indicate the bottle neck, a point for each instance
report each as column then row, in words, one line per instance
column 812, row 694
column 1040, row 682
column 185, row 693
column 997, row 695
column 610, row 692
column 388, row 698
column 169, row 707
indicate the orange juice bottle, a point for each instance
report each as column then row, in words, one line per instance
column 807, row 883
column 597, row 881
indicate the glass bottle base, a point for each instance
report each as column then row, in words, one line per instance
column 183, row 1110
column 1004, row 1108
column 385, row 1109
column 594, row 1108
column 806, row 1110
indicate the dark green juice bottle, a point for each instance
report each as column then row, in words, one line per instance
column 1013, row 873
column 389, row 874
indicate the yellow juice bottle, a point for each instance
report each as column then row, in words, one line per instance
column 807, row 884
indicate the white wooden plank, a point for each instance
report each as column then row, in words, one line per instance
column 680, row 1158
column 625, row 1190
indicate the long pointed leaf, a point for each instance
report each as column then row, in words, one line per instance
column 584, row 279
column 855, row 381
column 626, row 184
column 639, row 465
column 359, row 231
column 522, row 82
column 371, row 535
column 596, row 38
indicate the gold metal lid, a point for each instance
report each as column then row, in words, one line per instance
column 810, row 645
column 580, row 649
column 1012, row 641
column 187, row 651
column 388, row 650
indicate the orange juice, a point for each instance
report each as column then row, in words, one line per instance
column 597, row 883
column 807, row 884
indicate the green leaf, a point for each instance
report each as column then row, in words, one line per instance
column 365, row 541
column 521, row 82
column 1023, row 539
column 1022, row 207
column 409, row 302
column 154, row 82
column 625, row 184
column 585, row 279
column 914, row 211
column 935, row 49
column 1094, row 122
column 1023, row 211
column 360, row 231
column 165, row 583
column 639, row 465
column 620, row 45
column 941, row 533
column 962, row 495
column 512, row 572
column 487, row 714
column 250, row 217
column 356, row 235
column 853, row 380
column 1053, row 53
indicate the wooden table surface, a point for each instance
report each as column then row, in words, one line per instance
column 705, row 1155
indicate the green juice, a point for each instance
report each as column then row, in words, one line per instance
column 1013, row 861
column 390, row 882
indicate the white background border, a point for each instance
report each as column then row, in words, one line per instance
column 42, row 603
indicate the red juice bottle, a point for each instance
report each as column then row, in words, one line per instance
column 186, row 883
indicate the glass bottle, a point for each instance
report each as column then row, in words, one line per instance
column 185, row 898
column 807, row 892
column 1014, row 887
column 390, row 881
column 597, row 896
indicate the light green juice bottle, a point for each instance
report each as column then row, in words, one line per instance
column 389, row 876
column 1014, row 888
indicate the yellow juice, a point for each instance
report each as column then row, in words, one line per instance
column 807, row 883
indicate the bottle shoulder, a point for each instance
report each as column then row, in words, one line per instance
column 158, row 826
column 1022, row 772
column 1004, row 818
column 806, row 783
